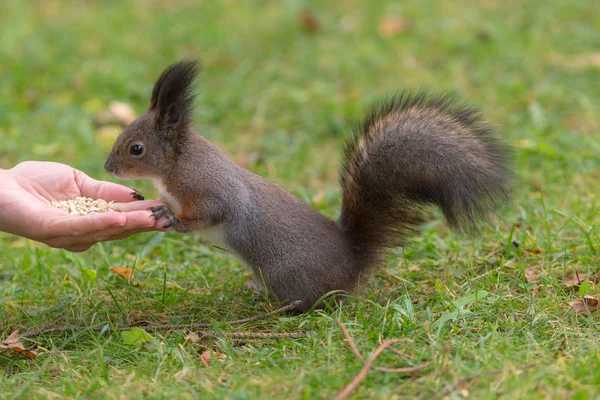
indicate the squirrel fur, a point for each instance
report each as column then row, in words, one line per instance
column 410, row 152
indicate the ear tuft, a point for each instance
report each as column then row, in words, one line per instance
column 173, row 96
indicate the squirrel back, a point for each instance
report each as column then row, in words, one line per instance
column 412, row 151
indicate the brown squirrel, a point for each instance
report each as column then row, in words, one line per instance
column 411, row 151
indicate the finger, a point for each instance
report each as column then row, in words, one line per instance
column 108, row 191
column 137, row 205
column 78, row 229
column 139, row 219
column 158, row 225
column 84, row 242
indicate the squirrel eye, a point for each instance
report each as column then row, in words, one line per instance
column 136, row 149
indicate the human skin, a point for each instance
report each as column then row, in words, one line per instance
column 27, row 190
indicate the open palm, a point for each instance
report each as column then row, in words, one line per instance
column 27, row 190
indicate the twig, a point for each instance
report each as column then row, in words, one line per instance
column 253, row 335
column 401, row 354
column 159, row 327
column 368, row 365
column 349, row 340
column 361, row 358
column 365, row 369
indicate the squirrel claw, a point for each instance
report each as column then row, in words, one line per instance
column 172, row 221
column 160, row 211
column 136, row 194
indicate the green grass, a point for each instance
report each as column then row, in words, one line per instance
column 281, row 101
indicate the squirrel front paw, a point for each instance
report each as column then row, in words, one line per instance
column 163, row 211
column 160, row 211
column 171, row 222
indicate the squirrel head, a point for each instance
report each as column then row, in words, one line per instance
column 152, row 142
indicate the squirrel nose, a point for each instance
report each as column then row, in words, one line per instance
column 108, row 166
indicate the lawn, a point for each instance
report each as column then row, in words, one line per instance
column 281, row 89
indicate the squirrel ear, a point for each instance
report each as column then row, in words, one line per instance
column 172, row 96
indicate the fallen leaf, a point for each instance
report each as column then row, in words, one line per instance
column 117, row 112
column 205, row 358
column 317, row 198
column 192, row 337
column 586, row 305
column 573, row 279
column 308, row 21
column 391, row 26
column 531, row 275
column 532, row 251
column 123, row 111
column 591, row 301
column 136, row 336
column 181, row 374
column 208, row 355
column 125, row 273
column 13, row 343
column 414, row 268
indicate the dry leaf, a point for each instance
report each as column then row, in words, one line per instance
column 574, row 279
column 117, row 112
column 205, row 358
column 125, row 273
column 531, row 275
column 391, row 26
column 208, row 355
column 13, row 343
column 122, row 111
column 532, row 251
column 414, row 268
column 317, row 198
column 590, row 301
column 586, row 305
column 192, row 337
column 308, row 21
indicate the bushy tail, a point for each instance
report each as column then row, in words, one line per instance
column 413, row 151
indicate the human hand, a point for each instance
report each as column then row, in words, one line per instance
column 27, row 190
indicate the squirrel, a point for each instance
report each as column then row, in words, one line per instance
column 411, row 151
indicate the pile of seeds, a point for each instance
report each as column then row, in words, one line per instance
column 84, row 206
